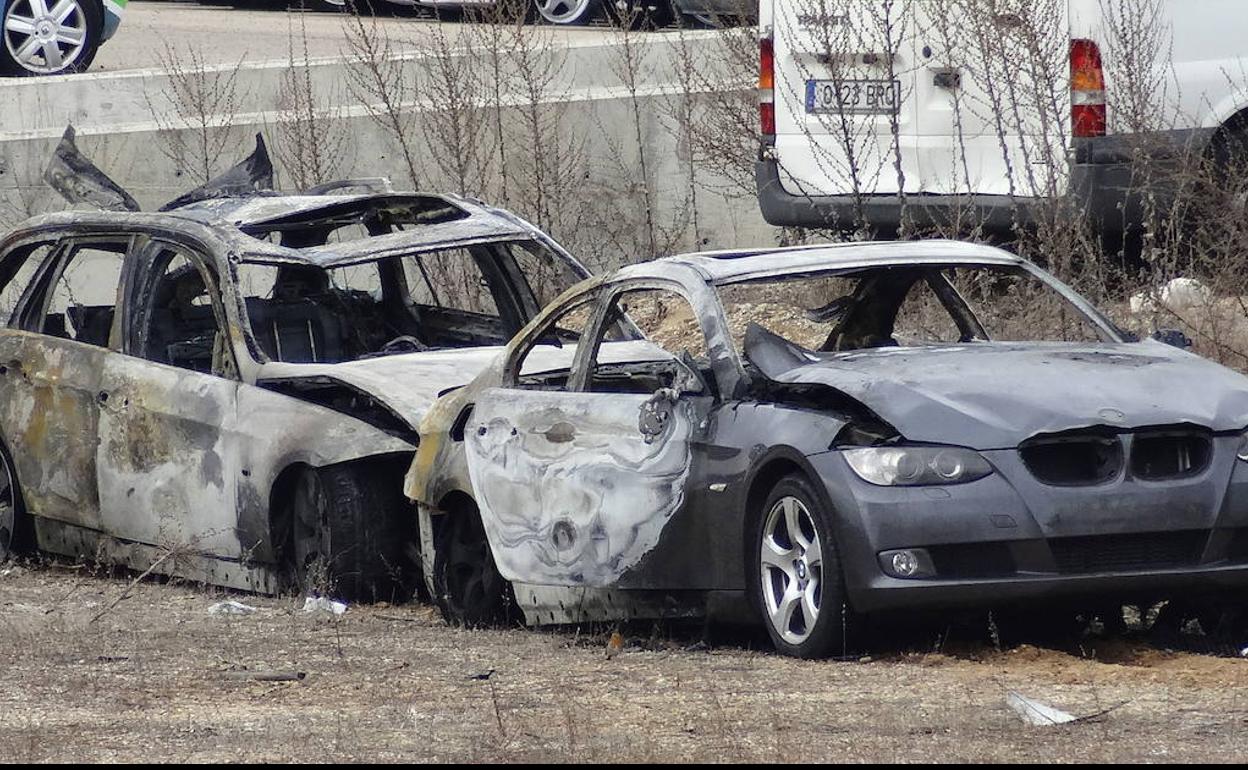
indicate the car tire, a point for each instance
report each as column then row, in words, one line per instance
column 16, row 530
column 467, row 586
column 569, row 13
column 348, row 533
column 83, row 18
column 796, row 580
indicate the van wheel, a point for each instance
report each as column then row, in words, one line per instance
column 569, row 12
column 467, row 586
column 16, row 535
column 796, row 574
column 347, row 533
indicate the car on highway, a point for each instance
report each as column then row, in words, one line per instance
column 55, row 37
column 799, row 437
column 228, row 389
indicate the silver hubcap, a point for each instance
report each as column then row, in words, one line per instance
column 562, row 11
column 45, row 36
column 792, row 570
column 8, row 507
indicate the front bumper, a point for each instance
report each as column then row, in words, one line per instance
column 1008, row 538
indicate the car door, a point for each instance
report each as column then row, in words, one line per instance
column 576, row 481
column 167, row 458
column 51, row 358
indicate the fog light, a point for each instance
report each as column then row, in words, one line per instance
column 905, row 564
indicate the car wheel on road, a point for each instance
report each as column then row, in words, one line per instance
column 347, row 533
column 467, row 586
column 797, row 576
column 15, row 535
column 50, row 37
column 569, row 12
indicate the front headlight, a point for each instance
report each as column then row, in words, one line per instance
column 910, row 466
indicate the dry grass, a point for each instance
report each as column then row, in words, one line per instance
column 148, row 682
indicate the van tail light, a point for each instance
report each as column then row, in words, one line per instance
column 1087, row 89
column 766, row 86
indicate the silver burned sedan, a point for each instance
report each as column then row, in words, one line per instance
column 803, row 436
column 228, row 389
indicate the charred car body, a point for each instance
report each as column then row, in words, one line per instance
column 925, row 425
column 228, row 390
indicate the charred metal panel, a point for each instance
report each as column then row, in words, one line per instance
column 49, row 389
column 168, row 454
column 580, row 604
column 243, row 574
column 575, row 487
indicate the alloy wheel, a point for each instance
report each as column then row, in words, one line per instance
column 791, row 561
column 564, row 11
column 45, row 36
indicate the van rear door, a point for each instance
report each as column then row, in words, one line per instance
column 844, row 85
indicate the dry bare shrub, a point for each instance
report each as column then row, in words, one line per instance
column 197, row 113
column 377, row 81
column 311, row 140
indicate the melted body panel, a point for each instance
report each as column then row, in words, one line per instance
column 570, row 489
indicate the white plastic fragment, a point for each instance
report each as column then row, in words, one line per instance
column 1177, row 294
column 1036, row 713
column 323, row 604
column 1243, row 653
column 230, row 607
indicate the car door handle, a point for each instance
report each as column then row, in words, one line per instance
column 560, row 433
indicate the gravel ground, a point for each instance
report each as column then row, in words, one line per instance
column 158, row 678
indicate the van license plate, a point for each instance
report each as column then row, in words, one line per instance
column 853, row 97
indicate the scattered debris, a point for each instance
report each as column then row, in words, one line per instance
column 485, row 675
column 1243, row 653
column 1040, row 714
column 1177, row 294
column 267, row 676
column 1036, row 713
column 231, row 607
column 324, row 604
column 112, row 658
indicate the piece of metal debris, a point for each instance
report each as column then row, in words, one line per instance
column 324, row 604
column 78, row 180
column 230, row 607
column 267, row 676
column 1036, row 713
column 481, row 677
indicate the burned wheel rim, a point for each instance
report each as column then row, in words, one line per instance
column 565, row 11
column 791, row 565
column 45, row 36
column 473, row 586
column 307, row 533
column 8, row 507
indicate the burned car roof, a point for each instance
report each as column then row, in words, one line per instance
column 436, row 222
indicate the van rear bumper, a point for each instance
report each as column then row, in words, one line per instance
column 883, row 214
column 1115, row 180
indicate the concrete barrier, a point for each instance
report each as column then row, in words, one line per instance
column 129, row 123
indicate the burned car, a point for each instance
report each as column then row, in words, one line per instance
column 804, row 436
column 229, row 389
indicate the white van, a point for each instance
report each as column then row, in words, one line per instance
column 980, row 110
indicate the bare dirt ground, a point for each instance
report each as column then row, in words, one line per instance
column 156, row 678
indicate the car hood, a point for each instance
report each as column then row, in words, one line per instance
column 407, row 384
column 995, row 395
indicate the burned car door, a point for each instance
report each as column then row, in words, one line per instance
column 576, row 480
column 166, row 434
column 51, row 359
